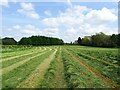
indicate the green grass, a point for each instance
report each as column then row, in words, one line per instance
column 49, row 75
column 77, row 76
column 16, row 60
column 19, row 52
column 107, row 69
column 14, row 77
column 104, row 60
column 13, row 48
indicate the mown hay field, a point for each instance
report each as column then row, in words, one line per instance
column 60, row 67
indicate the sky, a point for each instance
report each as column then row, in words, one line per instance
column 66, row 20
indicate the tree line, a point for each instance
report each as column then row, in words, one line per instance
column 97, row 40
column 100, row 40
column 33, row 40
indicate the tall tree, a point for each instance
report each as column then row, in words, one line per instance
column 100, row 39
column 86, row 41
column 79, row 40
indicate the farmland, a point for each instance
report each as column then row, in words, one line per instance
column 59, row 67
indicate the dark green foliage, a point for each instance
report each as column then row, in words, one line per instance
column 86, row 41
column 9, row 41
column 79, row 40
column 0, row 41
column 101, row 40
column 25, row 41
column 115, row 39
column 40, row 40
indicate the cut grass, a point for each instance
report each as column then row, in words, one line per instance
column 59, row 80
column 54, row 77
column 11, row 55
column 105, row 69
column 77, row 75
column 20, row 58
column 14, row 77
column 18, row 52
column 33, row 80
column 9, row 68
column 19, row 55
column 47, row 80
column 70, row 67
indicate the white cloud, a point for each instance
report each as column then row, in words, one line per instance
column 15, row 1
column 70, row 34
column 70, row 23
column 69, row 3
column 16, row 27
column 28, row 10
column 27, row 6
column 20, row 31
column 50, row 22
column 81, row 21
column 102, row 16
column 30, row 30
column 50, row 31
column 70, row 17
column 47, row 12
column 4, row 2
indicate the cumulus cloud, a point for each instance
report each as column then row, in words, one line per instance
column 81, row 21
column 51, row 32
column 70, row 34
column 28, row 10
column 20, row 31
column 70, row 23
column 17, row 27
column 4, row 2
column 47, row 12
column 71, row 16
column 69, row 3
column 102, row 16
column 30, row 30
column 25, row 30
column 50, row 22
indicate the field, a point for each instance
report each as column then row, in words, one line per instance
column 60, row 67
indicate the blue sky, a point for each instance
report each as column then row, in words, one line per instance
column 65, row 20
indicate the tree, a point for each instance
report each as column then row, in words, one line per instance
column 40, row 40
column 79, row 40
column 86, row 41
column 25, row 41
column 118, row 40
column 0, row 41
column 101, row 40
column 9, row 41
column 114, row 40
